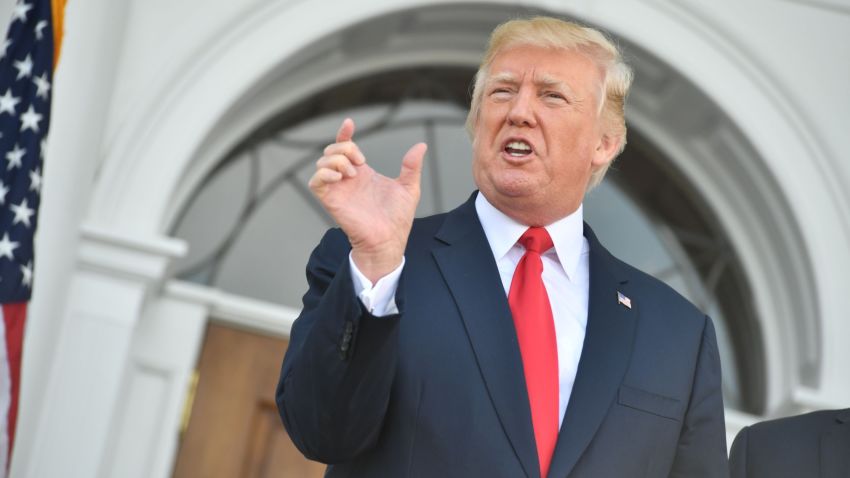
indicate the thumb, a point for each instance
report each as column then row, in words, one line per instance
column 411, row 165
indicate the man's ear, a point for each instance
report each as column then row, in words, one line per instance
column 606, row 149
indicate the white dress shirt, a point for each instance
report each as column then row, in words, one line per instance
column 565, row 275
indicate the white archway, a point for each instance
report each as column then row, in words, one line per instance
column 193, row 127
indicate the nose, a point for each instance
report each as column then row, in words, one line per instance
column 521, row 112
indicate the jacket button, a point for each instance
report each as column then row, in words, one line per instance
column 347, row 336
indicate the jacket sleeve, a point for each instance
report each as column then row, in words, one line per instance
column 338, row 370
column 702, row 443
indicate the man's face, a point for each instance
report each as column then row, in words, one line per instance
column 538, row 135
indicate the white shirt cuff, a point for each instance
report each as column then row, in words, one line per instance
column 379, row 299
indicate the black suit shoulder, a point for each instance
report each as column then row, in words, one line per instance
column 660, row 306
column 791, row 446
column 797, row 427
column 646, row 285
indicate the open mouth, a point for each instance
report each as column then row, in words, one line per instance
column 517, row 148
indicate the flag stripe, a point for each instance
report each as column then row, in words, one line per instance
column 57, row 11
column 14, row 319
column 5, row 398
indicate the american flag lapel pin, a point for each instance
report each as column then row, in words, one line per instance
column 623, row 300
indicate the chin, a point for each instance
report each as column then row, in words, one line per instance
column 514, row 192
column 515, row 185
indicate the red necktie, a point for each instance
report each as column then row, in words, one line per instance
column 535, row 329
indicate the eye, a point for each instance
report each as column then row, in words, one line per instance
column 554, row 95
column 501, row 92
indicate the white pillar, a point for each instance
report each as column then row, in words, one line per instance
column 82, row 88
column 144, row 434
column 114, row 277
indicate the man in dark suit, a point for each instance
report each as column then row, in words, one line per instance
column 500, row 339
column 814, row 445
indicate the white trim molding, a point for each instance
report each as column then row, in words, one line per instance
column 115, row 278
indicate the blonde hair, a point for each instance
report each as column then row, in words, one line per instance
column 553, row 33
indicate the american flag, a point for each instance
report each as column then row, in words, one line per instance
column 623, row 300
column 27, row 58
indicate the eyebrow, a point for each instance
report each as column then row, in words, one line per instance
column 544, row 80
column 550, row 81
column 503, row 77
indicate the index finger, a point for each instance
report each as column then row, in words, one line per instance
column 346, row 131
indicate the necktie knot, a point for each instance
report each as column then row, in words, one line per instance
column 536, row 239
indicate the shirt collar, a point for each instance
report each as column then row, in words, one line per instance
column 503, row 232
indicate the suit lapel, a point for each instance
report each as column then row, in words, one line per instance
column 467, row 265
column 835, row 448
column 604, row 359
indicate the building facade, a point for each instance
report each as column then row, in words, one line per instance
column 182, row 133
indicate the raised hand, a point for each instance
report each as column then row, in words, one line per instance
column 374, row 211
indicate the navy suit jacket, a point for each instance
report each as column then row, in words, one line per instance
column 438, row 390
column 814, row 445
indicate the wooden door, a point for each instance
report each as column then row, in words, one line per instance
column 234, row 429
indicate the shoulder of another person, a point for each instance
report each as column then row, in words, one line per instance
column 799, row 426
